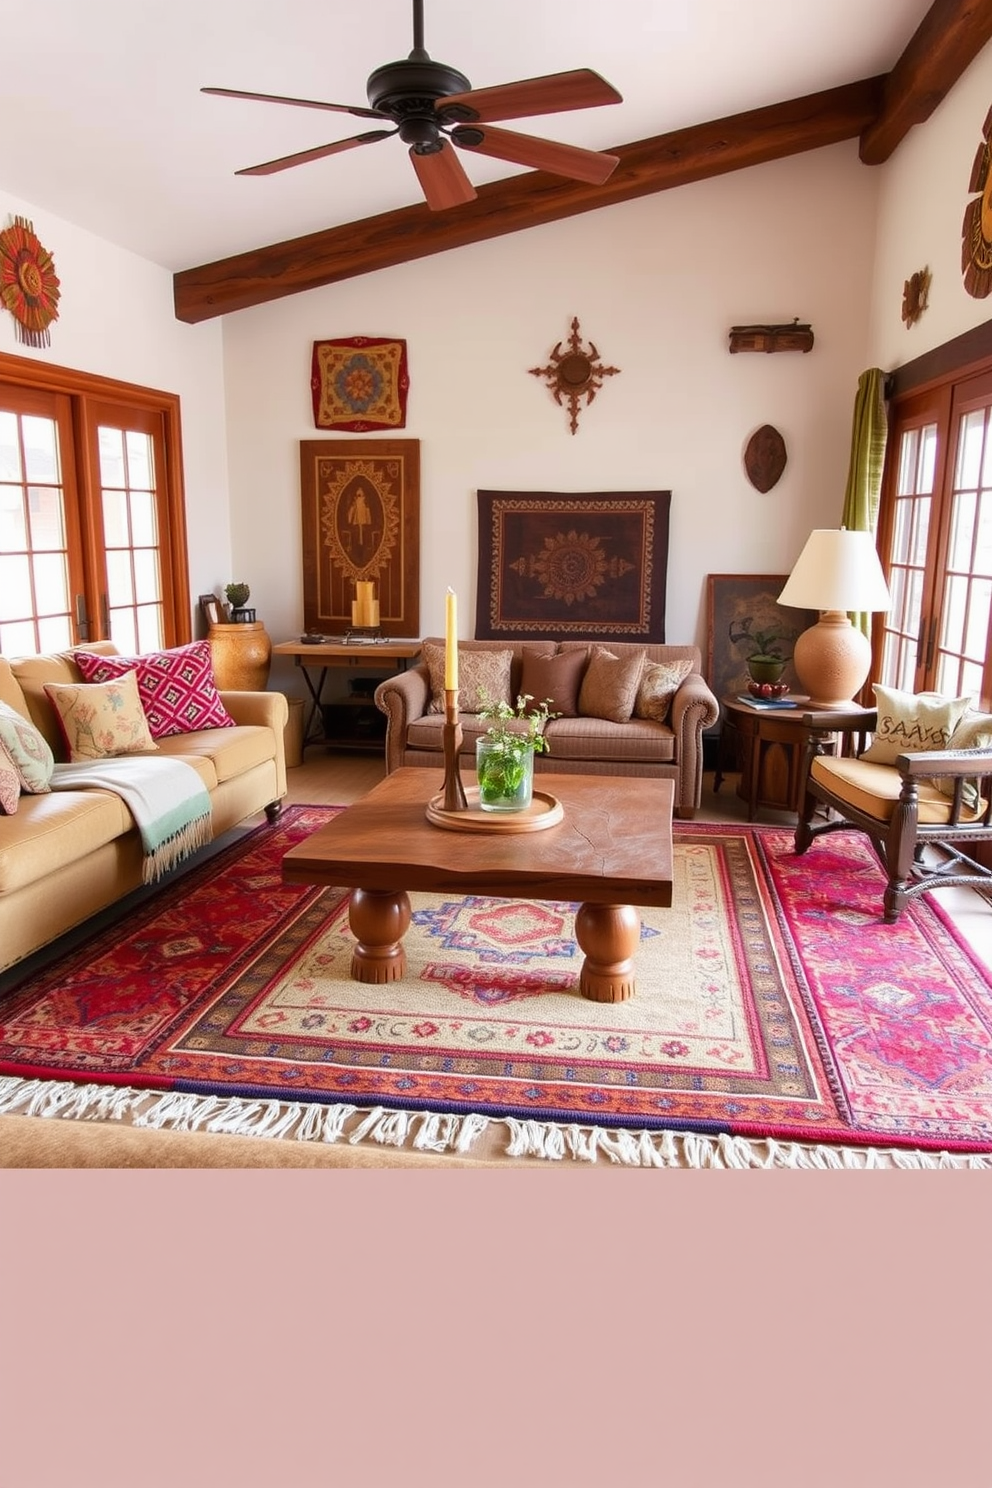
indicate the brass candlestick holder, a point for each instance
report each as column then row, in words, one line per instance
column 451, row 733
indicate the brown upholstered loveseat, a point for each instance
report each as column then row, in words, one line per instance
column 672, row 749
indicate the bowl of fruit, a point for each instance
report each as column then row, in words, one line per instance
column 768, row 690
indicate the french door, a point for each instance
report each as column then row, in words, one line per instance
column 92, row 530
column 935, row 541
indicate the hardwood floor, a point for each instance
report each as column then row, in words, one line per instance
column 338, row 777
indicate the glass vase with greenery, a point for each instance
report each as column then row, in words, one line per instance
column 504, row 754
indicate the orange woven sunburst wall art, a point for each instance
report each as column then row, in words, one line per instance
column 29, row 286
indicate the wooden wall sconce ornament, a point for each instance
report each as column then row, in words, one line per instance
column 915, row 296
column 29, row 286
column 976, row 229
column 794, row 337
column 573, row 374
column 765, row 458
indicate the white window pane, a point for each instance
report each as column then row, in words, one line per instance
column 971, row 681
column 47, row 526
column 144, row 533
column 15, row 586
column 976, row 638
column 910, row 620
column 139, row 461
column 111, row 446
column 13, row 533
column 146, row 582
column 899, row 550
column 51, row 584
column 955, row 597
column 119, row 585
column 921, row 530
column 982, row 562
column 962, row 531
column 41, row 458
column 18, row 639
column 54, row 633
column 115, row 529
column 971, row 434
column 10, row 452
column 908, row 452
column 122, row 631
column 150, row 630
column 948, row 668
column 928, row 460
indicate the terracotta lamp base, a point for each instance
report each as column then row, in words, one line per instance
column 832, row 660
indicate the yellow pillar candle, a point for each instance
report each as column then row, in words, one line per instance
column 451, row 642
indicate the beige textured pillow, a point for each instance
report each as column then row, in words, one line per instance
column 101, row 719
column 486, row 669
column 912, row 722
column 973, row 732
column 660, row 681
column 557, row 677
column 609, row 687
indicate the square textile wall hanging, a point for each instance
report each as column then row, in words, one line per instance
column 361, row 523
column 359, row 383
column 576, row 566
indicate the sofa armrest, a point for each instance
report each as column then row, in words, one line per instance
column 403, row 698
column 694, row 708
column 263, row 710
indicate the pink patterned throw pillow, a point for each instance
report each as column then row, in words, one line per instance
column 10, row 787
column 176, row 687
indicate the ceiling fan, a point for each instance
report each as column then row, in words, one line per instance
column 433, row 106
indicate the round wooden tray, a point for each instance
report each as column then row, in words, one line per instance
column 544, row 811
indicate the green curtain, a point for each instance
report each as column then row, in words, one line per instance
column 864, row 476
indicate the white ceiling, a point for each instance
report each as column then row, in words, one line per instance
column 102, row 121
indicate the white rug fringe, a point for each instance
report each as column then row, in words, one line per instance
column 432, row 1131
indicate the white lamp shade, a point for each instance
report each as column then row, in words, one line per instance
column 837, row 570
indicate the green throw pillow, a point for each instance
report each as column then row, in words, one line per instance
column 27, row 751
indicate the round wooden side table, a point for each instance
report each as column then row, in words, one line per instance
column 769, row 745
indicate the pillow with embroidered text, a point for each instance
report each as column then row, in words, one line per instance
column 912, row 722
column 176, row 687
column 25, row 749
column 101, row 719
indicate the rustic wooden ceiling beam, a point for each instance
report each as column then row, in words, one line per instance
column 528, row 200
column 947, row 40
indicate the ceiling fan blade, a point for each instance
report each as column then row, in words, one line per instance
column 442, row 178
column 335, row 108
column 554, row 94
column 284, row 162
column 540, row 154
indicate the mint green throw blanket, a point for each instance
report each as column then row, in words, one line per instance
column 166, row 797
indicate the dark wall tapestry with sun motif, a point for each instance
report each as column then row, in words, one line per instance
column 581, row 566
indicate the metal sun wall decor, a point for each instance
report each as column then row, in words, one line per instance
column 29, row 287
column 573, row 374
column 976, row 229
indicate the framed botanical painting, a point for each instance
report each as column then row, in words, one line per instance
column 361, row 524
column 747, row 602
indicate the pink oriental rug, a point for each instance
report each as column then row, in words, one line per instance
column 771, row 1002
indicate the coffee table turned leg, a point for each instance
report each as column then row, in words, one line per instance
column 379, row 919
column 609, row 934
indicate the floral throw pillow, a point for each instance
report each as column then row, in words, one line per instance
column 26, row 751
column 177, row 687
column 660, row 681
column 101, row 719
column 10, row 786
column 488, row 670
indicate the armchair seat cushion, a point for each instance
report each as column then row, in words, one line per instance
column 874, row 789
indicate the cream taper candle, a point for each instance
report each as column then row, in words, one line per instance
column 451, row 642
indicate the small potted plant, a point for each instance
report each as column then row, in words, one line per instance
column 238, row 596
column 768, row 651
column 504, row 754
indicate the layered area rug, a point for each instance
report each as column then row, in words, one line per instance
column 773, row 1008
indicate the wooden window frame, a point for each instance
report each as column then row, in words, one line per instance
column 86, row 390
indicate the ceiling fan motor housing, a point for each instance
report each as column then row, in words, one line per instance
column 407, row 92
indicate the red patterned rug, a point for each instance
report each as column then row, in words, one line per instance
column 772, row 1002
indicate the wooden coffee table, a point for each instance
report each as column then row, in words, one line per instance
column 611, row 851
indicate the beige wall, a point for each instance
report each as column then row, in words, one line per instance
column 656, row 285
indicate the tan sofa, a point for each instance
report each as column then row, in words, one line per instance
column 65, row 854
column 580, row 746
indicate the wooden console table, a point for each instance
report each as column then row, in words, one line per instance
column 315, row 662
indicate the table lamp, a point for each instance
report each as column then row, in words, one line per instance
column 837, row 571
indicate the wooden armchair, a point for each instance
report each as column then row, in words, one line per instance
column 924, row 812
